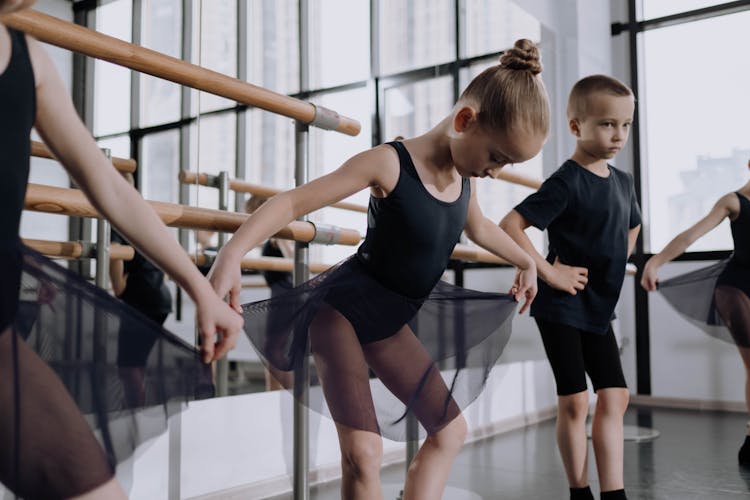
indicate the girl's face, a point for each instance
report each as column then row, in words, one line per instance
column 480, row 153
column 8, row 6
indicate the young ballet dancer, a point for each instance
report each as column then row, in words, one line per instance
column 377, row 309
column 48, row 449
column 727, row 284
column 592, row 220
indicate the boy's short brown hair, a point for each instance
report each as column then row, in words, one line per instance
column 586, row 87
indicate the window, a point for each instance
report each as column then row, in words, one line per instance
column 658, row 8
column 495, row 25
column 694, row 106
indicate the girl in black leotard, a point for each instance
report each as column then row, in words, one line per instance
column 720, row 294
column 384, row 309
column 48, row 449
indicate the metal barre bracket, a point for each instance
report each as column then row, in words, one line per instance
column 326, row 234
column 88, row 249
column 325, row 118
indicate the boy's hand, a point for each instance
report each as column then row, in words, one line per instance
column 568, row 278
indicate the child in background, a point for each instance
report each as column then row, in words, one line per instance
column 592, row 218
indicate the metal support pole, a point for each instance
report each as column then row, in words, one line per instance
column 301, row 366
column 222, row 365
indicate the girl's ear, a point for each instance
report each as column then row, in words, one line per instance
column 464, row 118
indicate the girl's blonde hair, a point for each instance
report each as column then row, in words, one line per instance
column 511, row 95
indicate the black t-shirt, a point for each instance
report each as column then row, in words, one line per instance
column 145, row 289
column 587, row 218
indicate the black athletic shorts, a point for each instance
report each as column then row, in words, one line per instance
column 573, row 353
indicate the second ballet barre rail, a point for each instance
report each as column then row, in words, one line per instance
column 73, row 202
column 39, row 150
column 77, row 249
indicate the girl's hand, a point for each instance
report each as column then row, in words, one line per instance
column 525, row 285
column 219, row 326
column 225, row 277
column 568, row 278
column 649, row 280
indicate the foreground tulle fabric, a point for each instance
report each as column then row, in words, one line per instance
column 715, row 299
column 431, row 356
column 66, row 324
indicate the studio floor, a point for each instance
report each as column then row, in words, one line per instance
column 694, row 458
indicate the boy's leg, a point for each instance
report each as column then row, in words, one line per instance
column 407, row 370
column 562, row 344
column 602, row 360
column 344, row 375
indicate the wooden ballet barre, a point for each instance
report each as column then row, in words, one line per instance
column 73, row 202
column 475, row 254
column 39, row 150
column 520, row 179
column 77, row 250
column 238, row 186
column 263, row 263
column 85, row 41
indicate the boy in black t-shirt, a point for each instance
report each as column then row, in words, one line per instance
column 592, row 219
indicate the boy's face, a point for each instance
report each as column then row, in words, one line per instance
column 605, row 128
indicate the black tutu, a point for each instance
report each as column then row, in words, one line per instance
column 715, row 299
column 52, row 318
column 431, row 356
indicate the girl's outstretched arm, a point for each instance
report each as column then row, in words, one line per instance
column 491, row 237
column 377, row 167
column 727, row 206
column 62, row 130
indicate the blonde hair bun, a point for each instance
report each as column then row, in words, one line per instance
column 524, row 56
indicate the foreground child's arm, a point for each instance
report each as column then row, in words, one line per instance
column 725, row 207
column 489, row 236
column 62, row 130
column 359, row 172
column 558, row 275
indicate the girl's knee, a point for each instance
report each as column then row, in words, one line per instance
column 362, row 457
column 452, row 436
column 574, row 406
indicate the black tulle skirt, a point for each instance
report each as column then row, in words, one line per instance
column 380, row 355
column 60, row 379
column 715, row 298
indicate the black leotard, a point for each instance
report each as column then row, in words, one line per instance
column 410, row 233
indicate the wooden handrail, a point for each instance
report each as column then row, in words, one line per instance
column 122, row 164
column 85, row 41
column 73, row 202
column 475, row 254
column 75, row 250
column 238, row 186
column 520, row 179
column 266, row 263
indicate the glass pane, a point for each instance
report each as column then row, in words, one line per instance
column 273, row 45
column 161, row 31
column 415, row 108
column 216, row 153
column 415, row 34
column 119, row 145
column 218, row 45
column 494, row 25
column 112, row 82
column 160, row 164
column 328, row 150
column 659, row 8
column 339, row 32
column 690, row 164
column 270, row 151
